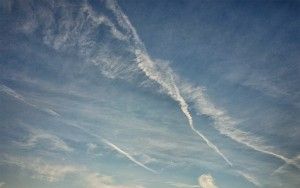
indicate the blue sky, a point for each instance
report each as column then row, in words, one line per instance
column 149, row 94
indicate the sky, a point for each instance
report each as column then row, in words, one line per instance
column 149, row 94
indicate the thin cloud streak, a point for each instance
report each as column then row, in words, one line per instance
column 119, row 150
column 249, row 178
column 19, row 97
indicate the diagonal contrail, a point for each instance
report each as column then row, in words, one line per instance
column 225, row 124
column 113, row 146
column 150, row 69
column 119, row 150
column 294, row 161
column 19, row 97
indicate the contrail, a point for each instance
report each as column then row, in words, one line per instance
column 174, row 93
column 20, row 98
column 12, row 93
column 241, row 137
column 294, row 161
column 165, row 80
column 168, row 84
column 225, row 124
column 114, row 147
column 119, row 150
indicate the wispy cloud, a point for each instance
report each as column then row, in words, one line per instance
column 124, row 22
column 101, row 19
column 96, row 180
column 37, row 135
column 207, row 181
column 41, row 169
column 52, row 172
column 91, row 147
column 76, row 30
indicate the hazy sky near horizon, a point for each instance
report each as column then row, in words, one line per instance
column 149, row 94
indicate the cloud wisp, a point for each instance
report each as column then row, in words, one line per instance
column 53, row 142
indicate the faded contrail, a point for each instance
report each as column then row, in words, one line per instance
column 12, row 93
column 249, row 178
column 165, row 80
column 19, row 97
column 113, row 146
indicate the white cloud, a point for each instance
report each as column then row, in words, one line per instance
column 2, row 184
column 96, row 180
column 41, row 169
column 52, row 172
column 91, row 147
column 182, row 185
column 207, row 181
